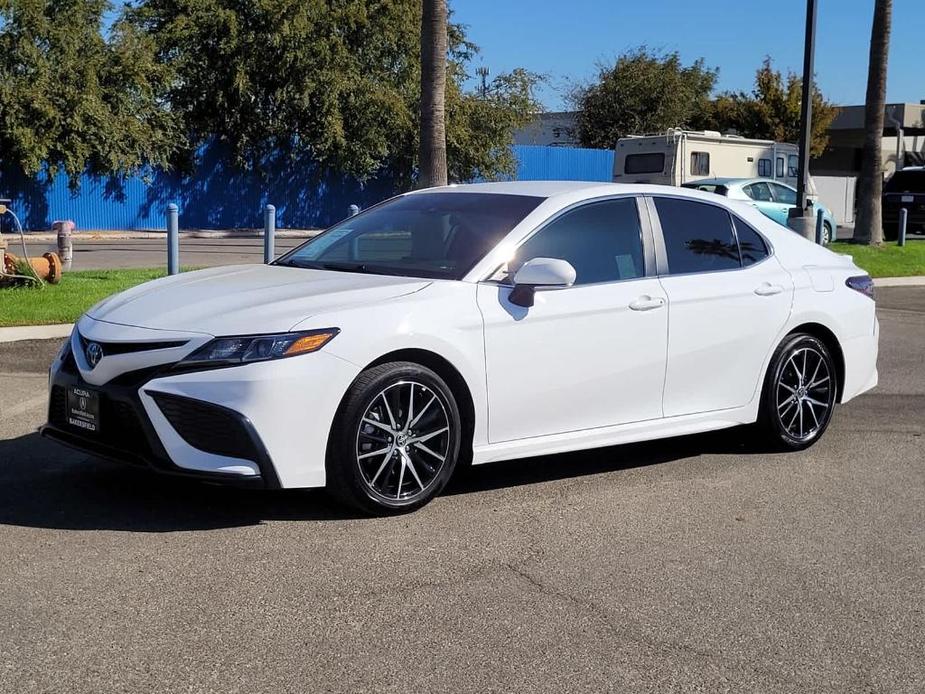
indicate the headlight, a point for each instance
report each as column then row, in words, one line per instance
column 228, row 351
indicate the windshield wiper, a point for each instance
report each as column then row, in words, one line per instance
column 344, row 267
column 316, row 265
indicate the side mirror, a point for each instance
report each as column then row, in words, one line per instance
column 540, row 273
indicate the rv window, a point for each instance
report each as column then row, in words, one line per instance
column 780, row 167
column 653, row 162
column 764, row 168
column 793, row 166
column 698, row 237
column 700, row 163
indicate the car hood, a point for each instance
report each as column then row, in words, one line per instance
column 246, row 299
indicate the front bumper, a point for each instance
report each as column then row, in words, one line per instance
column 264, row 424
column 127, row 434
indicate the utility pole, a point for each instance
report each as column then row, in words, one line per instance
column 806, row 108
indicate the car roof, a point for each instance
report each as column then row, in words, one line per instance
column 733, row 182
column 559, row 189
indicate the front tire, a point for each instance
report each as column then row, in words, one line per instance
column 827, row 234
column 799, row 393
column 395, row 440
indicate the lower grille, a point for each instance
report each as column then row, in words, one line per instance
column 210, row 428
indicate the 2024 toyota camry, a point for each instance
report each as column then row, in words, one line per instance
column 472, row 323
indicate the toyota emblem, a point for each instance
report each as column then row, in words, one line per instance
column 94, row 354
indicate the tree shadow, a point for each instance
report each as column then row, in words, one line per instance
column 44, row 485
column 29, row 197
column 216, row 194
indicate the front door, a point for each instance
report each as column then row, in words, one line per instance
column 591, row 355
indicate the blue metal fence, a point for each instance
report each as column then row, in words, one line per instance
column 538, row 163
column 217, row 196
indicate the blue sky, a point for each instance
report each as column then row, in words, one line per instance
column 565, row 40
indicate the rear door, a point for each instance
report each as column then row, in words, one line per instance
column 728, row 298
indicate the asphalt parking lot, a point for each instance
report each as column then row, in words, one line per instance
column 693, row 564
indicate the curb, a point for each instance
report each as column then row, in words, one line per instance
column 159, row 234
column 35, row 332
column 914, row 281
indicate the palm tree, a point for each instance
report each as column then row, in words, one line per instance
column 869, row 224
column 432, row 152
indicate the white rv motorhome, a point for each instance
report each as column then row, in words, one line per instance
column 681, row 156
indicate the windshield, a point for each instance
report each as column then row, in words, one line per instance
column 434, row 235
column 906, row 182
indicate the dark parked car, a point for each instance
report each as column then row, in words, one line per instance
column 905, row 188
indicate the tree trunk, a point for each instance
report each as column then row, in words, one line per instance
column 432, row 152
column 869, row 224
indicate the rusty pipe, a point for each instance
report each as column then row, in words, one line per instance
column 48, row 268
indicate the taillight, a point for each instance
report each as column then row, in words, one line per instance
column 861, row 283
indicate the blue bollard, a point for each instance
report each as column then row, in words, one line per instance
column 903, row 223
column 269, row 233
column 173, row 239
column 820, row 228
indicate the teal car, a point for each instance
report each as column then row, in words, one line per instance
column 773, row 198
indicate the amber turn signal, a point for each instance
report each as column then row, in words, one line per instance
column 310, row 343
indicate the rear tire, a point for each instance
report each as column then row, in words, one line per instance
column 799, row 393
column 395, row 440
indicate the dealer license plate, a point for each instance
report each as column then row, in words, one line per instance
column 83, row 408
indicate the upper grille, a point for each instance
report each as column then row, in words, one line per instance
column 113, row 348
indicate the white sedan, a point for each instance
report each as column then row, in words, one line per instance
column 472, row 323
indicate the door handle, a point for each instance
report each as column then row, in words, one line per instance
column 767, row 289
column 647, row 303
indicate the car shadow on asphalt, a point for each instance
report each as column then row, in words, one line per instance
column 595, row 461
column 44, row 485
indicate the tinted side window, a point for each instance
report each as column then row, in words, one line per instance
column 764, row 168
column 698, row 237
column 780, row 167
column 752, row 247
column 793, row 164
column 601, row 240
column 644, row 163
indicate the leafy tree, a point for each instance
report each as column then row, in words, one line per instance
column 338, row 81
column 642, row 92
column 869, row 227
column 771, row 111
column 73, row 99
